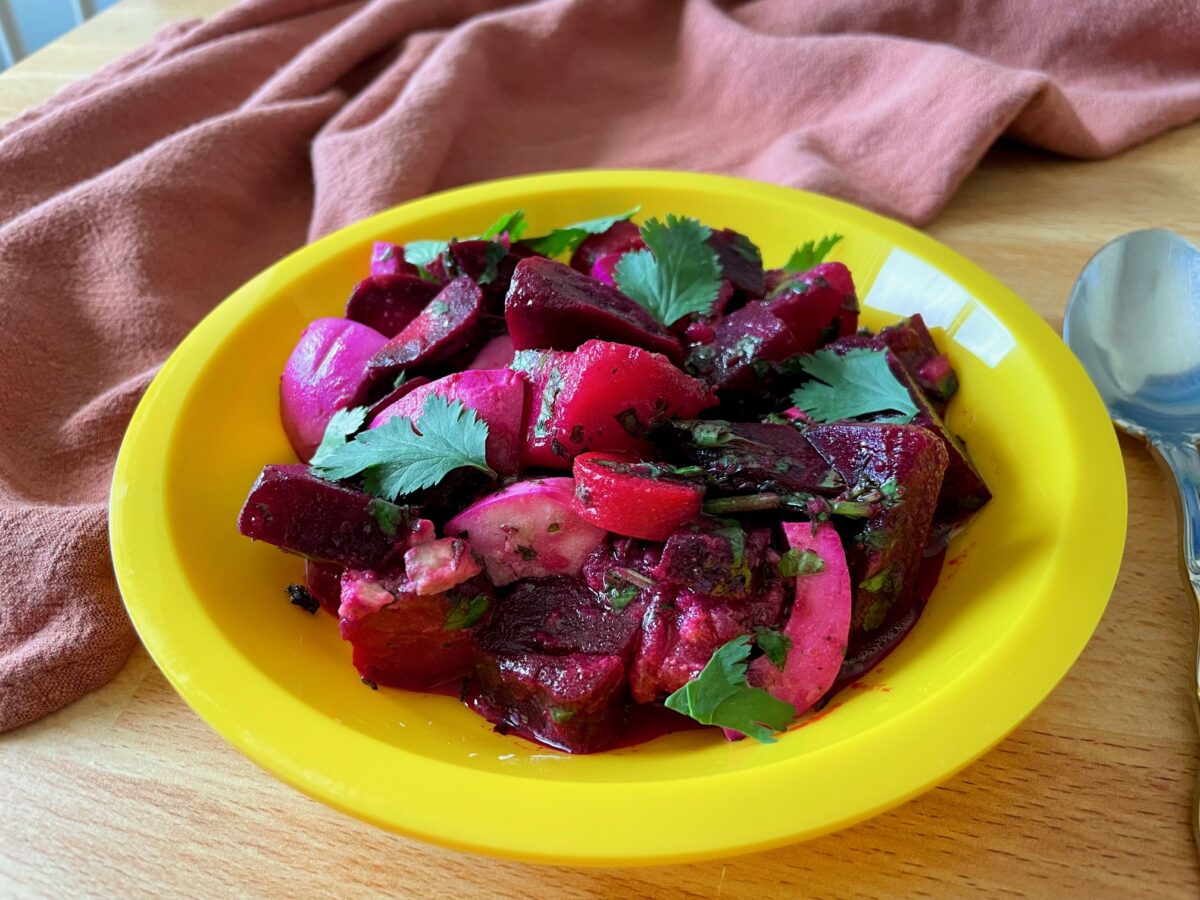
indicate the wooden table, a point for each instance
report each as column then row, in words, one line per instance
column 127, row 792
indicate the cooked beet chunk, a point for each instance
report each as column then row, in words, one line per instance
column 551, row 306
column 819, row 305
column 389, row 302
column 913, row 345
column 741, row 261
column 487, row 263
column 678, row 639
column 904, row 464
column 963, row 488
column 708, row 562
column 744, row 345
column 620, row 238
column 450, row 326
column 575, row 702
column 404, row 640
column 741, row 457
column 558, row 615
column 296, row 511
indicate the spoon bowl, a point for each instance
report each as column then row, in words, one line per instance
column 1133, row 320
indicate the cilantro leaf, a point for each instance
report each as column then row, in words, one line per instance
column 810, row 253
column 340, row 426
column 857, row 383
column 466, row 612
column 799, row 562
column 732, row 531
column 511, row 223
column 678, row 275
column 620, row 596
column 568, row 238
column 397, row 458
column 774, row 644
column 719, row 695
column 422, row 253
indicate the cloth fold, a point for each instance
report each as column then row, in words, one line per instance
column 133, row 202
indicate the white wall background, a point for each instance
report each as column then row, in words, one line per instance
column 37, row 22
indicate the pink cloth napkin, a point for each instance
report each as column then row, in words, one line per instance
column 133, row 202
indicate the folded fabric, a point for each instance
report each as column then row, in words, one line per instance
column 131, row 203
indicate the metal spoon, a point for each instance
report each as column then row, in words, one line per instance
column 1134, row 322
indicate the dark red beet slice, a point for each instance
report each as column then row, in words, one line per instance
column 389, row 302
column 487, row 263
column 705, row 561
column 621, row 237
column 557, row 615
column 576, row 703
column 324, row 581
column 449, row 326
column 885, row 558
column 741, row 261
column 963, row 488
column 617, row 493
column 551, row 306
column 388, row 259
column 913, row 345
column 407, row 643
column 819, row 306
column 750, row 457
column 403, row 389
column 743, row 341
column 296, row 511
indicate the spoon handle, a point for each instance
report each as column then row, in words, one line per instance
column 1183, row 460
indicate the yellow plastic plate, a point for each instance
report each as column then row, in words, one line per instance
column 1023, row 588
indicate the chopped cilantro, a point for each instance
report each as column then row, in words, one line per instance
column 799, row 562
column 811, row 253
column 553, row 528
column 876, row 613
column 559, row 715
column 466, row 612
column 568, row 239
column 733, row 532
column 621, row 596
column 527, row 553
column 678, row 275
column 396, row 458
column 774, row 644
column 720, row 695
column 387, row 515
column 302, row 598
column 857, row 383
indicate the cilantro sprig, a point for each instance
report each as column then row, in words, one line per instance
column 568, row 238
column 720, row 695
column 402, row 456
column 847, row 386
column 423, row 253
column 811, row 253
column 774, row 644
column 677, row 275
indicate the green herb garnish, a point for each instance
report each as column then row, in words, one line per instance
column 568, row 239
column 856, row 383
column 774, row 644
column 400, row 457
column 466, row 612
column 621, row 596
column 678, row 275
column 511, row 223
column 799, row 562
column 720, row 695
column 422, row 253
column 810, row 253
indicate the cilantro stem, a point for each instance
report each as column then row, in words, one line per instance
column 631, row 577
column 743, row 503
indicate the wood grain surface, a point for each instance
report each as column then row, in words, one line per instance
column 127, row 793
